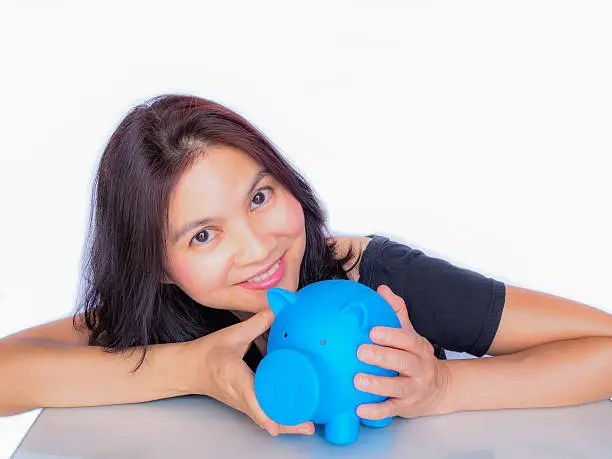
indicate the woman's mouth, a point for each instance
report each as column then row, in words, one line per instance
column 268, row 279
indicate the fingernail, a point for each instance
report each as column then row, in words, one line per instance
column 366, row 353
column 304, row 430
column 387, row 290
column 362, row 381
column 377, row 333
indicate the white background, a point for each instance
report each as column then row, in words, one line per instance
column 477, row 131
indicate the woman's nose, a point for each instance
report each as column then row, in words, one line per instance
column 253, row 246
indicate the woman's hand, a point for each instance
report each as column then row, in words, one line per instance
column 224, row 376
column 419, row 388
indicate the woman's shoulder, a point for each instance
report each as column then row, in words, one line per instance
column 343, row 243
column 358, row 244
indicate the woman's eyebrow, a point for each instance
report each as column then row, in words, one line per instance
column 190, row 226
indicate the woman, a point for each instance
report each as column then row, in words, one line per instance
column 196, row 215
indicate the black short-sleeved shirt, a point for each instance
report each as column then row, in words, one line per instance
column 454, row 308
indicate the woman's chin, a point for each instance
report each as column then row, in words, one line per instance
column 256, row 300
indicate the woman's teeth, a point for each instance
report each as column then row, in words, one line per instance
column 265, row 275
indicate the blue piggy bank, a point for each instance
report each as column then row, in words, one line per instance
column 311, row 361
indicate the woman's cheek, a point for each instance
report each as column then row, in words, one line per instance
column 290, row 217
column 187, row 274
column 298, row 216
column 181, row 274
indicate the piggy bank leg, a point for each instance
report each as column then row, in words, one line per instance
column 376, row 422
column 343, row 429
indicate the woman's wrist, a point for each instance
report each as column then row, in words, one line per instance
column 445, row 397
column 187, row 362
column 173, row 368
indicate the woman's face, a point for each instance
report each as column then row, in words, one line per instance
column 230, row 221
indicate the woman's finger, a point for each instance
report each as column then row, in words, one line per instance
column 404, row 362
column 382, row 410
column 306, row 428
column 401, row 339
column 245, row 332
column 262, row 420
column 398, row 305
column 396, row 387
column 273, row 428
column 246, row 391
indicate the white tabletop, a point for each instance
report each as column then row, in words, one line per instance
column 200, row 427
column 193, row 426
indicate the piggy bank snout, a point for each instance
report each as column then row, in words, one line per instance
column 287, row 387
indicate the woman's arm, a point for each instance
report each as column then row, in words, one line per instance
column 548, row 351
column 62, row 331
column 49, row 366
column 39, row 372
column 558, row 373
column 531, row 318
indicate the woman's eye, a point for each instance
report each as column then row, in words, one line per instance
column 261, row 197
column 202, row 237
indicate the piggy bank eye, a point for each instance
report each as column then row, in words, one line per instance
column 285, row 335
column 323, row 342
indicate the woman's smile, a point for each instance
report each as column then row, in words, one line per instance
column 268, row 279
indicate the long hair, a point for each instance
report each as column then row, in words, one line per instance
column 125, row 303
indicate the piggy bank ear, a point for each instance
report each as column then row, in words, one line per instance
column 357, row 311
column 279, row 299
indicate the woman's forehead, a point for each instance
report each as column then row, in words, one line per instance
column 219, row 169
column 213, row 186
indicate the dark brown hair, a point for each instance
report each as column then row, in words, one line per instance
column 125, row 302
